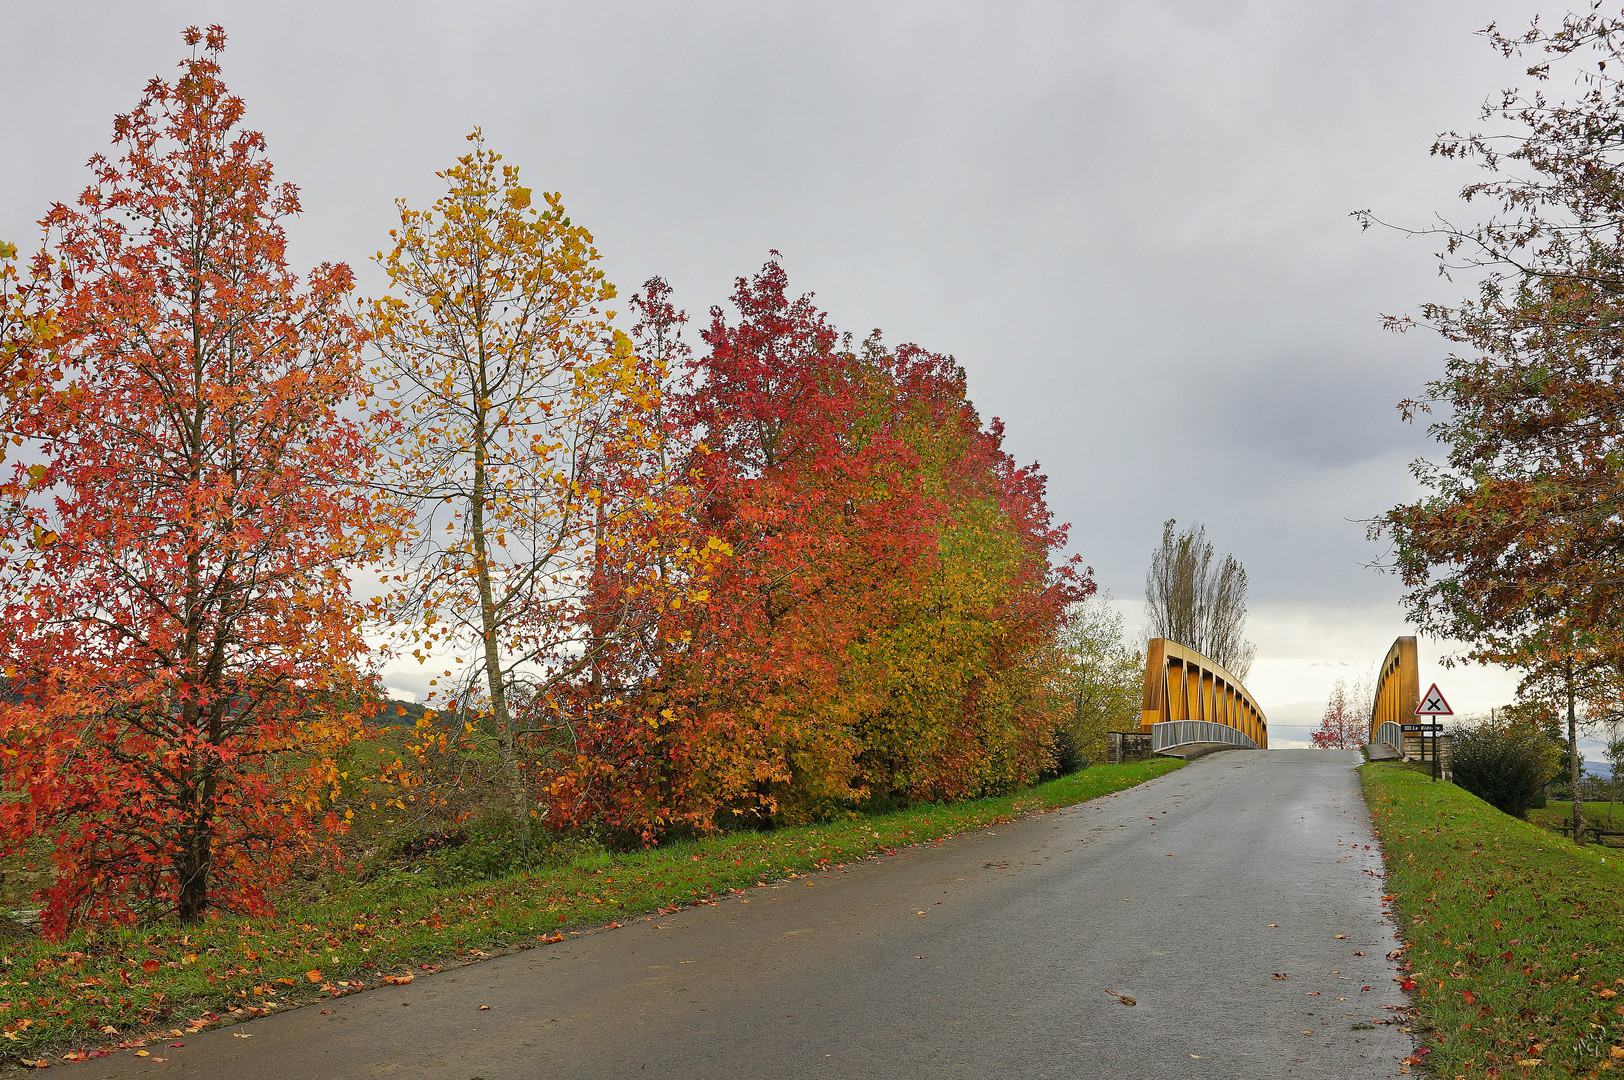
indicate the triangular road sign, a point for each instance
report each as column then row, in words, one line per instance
column 1433, row 704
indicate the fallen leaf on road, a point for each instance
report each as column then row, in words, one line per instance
column 1124, row 998
column 1305, row 1033
column 484, row 1008
column 398, row 980
column 241, row 1035
column 1339, row 937
column 1281, row 975
column 142, row 1053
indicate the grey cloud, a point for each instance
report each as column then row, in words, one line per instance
column 1128, row 221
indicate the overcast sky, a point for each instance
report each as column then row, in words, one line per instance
column 1128, row 221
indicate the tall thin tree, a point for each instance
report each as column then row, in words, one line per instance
column 1198, row 600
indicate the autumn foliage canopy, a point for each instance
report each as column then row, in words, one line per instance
column 775, row 577
column 176, row 614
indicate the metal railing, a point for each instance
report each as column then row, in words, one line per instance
column 1172, row 733
column 1391, row 734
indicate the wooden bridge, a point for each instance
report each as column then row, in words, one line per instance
column 1192, row 705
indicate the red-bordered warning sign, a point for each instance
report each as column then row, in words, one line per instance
column 1433, row 703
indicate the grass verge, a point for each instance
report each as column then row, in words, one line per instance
column 1512, row 934
column 1602, row 815
column 94, row 993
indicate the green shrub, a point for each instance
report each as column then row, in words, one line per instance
column 1068, row 755
column 1505, row 767
column 483, row 849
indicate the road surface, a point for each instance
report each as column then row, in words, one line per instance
column 1234, row 901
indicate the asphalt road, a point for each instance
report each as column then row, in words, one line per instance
column 990, row 955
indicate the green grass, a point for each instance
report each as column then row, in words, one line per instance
column 1595, row 813
column 1512, row 933
column 143, row 985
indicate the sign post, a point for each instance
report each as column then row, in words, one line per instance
column 1432, row 704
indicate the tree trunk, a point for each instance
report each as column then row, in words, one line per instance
column 507, row 748
column 1573, row 755
column 192, row 865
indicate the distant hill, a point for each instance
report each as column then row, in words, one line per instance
column 398, row 713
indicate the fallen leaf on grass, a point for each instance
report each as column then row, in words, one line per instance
column 314, row 975
column 149, row 966
column 1607, row 994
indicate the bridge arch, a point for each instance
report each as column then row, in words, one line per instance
column 1191, row 701
column 1398, row 693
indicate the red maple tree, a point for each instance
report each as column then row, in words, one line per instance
column 876, row 616
column 1344, row 726
column 179, row 641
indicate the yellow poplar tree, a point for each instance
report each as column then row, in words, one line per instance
column 508, row 388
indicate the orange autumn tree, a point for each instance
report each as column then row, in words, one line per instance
column 761, row 711
column 965, row 662
column 618, row 772
column 182, row 652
